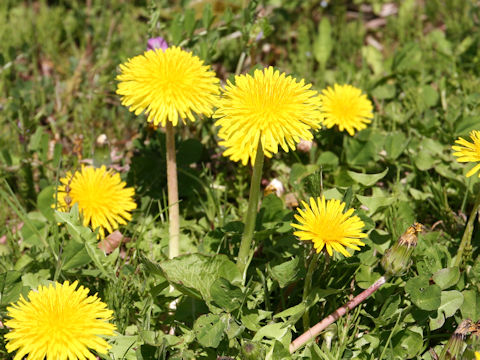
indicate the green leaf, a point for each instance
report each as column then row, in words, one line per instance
column 209, row 330
column 194, row 274
column 374, row 203
column 327, row 159
column 395, row 143
column 447, row 277
column 367, row 179
column 407, row 344
column 278, row 351
column 286, row 272
column 45, row 200
column 470, row 308
column 226, row 295
column 275, row 331
column 424, row 295
column 74, row 255
column 383, row 92
column 450, row 303
column 322, row 46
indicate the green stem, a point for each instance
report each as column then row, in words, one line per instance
column 250, row 218
column 172, row 183
column 307, row 286
column 467, row 235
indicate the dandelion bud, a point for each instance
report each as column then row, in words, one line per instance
column 274, row 187
column 396, row 260
column 157, row 43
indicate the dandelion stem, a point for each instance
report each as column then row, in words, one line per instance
column 467, row 235
column 173, row 207
column 319, row 327
column 307, row 286
column 251, row 216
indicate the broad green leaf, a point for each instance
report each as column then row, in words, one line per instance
column 450, row 303
column 275, row 331
column 407, row 344
column 209, row 330
column 447, row 277
column 278, row 351
column 194, row 274
column 395, row 143
column 229, row 297
column 423, row 295
column 374, row 203
column 286, row 272
column 74, row 255
column 470, row 308
column 367, row 179
column 45, row 200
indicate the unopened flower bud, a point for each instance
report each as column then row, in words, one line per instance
column 396, row 260
column 274, row 187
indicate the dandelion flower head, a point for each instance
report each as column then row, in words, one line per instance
column 167, row 84
column 102, row 198
column 346, row 107
column 268, row 107
column 327, row 225
column 469, row 152
column 58, row 323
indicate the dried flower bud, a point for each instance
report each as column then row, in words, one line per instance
column 304, row 145
column 456, row 344
column 396, row 260
column 157, row 43
column 274, row 187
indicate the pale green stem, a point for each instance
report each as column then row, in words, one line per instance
column 467, row 235
column 307, row 286
column 172, row 183
column 251, row 216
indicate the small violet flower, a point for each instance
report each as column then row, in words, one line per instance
column 157, row 43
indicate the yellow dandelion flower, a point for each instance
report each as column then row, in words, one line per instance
column 468, row 152
column 58, row 323
column 477, row 355
column 346, row 107
column 325, row 223
column 102, row 198
column 167, row 85
column 269, row 107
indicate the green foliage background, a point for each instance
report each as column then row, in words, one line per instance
column 419, row 63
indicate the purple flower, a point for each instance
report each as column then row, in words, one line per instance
column 157, row 43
